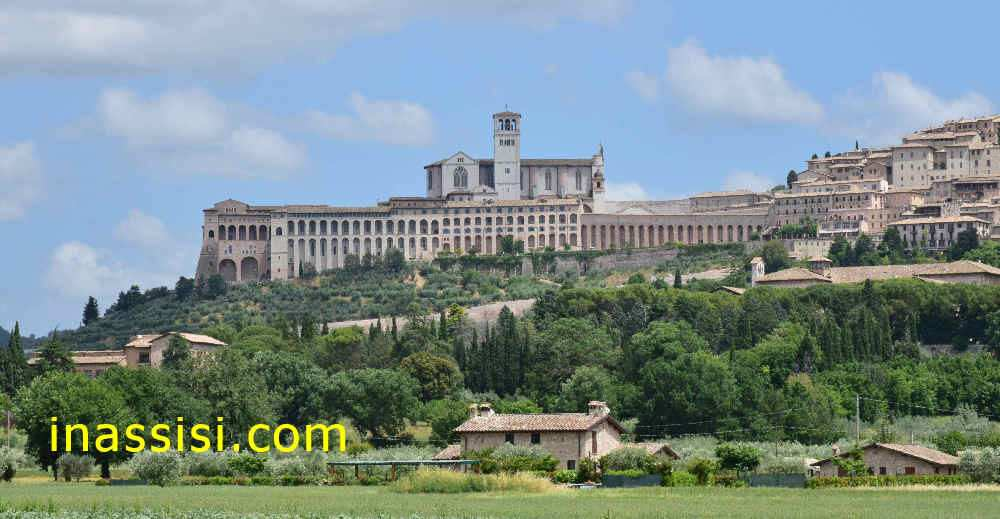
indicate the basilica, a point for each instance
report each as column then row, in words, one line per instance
column 470, row 205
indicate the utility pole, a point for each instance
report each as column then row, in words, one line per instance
column 857, row 416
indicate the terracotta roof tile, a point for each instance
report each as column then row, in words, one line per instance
column 534, row 422
column 451, row 452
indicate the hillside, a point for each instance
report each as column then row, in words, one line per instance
column 360, row 293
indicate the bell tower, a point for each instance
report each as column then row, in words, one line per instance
column 507, row 155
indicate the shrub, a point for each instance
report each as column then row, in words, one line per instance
column 738, row 457
column 682, row 478
column 564, row 476
column 727, row 478
column 982, row 466
column 8, row 463
column 207, row 464
column 296, row 466
column 158, row 468
column 75, row 466
column 439, row 481
column 586, row 470
column 888, row 481
column 628, row 458
column 629, row 473
column 102, row 483
column 702, row 468
column 246, row 465
column 514, row 458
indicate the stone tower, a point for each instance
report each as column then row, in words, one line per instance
column 597, row 180
column 507, row 155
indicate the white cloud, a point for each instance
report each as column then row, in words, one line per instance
column 646, row 85
column 625, row 191
column 747, row 180
column 20, row 180
column 79, row 270
column 191, row 131
column 895, row 105
column 139, row 228
column 225, row 35
column 748, row 88
column 391, row 122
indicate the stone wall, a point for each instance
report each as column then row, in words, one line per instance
column 632, row 259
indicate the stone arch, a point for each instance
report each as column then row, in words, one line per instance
column 345, row 227
column 227, row 269
column 249, row 270
column 368, row 245
column 423, row 226
column 222, row 232
column 411, row 227
column 243, row 233
column 357, row 247
column 356, row 227
column 231, row 234
column 262, row 232
column 211, row 234
column 253, row 233
column 312, row 226
column 434, row 227
column 302, row 227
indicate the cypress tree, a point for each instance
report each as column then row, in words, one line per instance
column 13, row 362
column 90, row 311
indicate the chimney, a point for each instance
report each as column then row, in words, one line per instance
column 473, row 411
column 836, row 449
column 597, row 408
column 485, row 409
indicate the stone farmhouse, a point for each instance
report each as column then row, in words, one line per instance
column 894, row 459
column 142, row 350
column 569, row 437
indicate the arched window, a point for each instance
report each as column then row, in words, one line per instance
column 461, row 177
column 312, row 227
column 222, row 232
column 231, row 235
column 302, row 227
column 253, row 233
column 262, row 233
column 278, row 231
column 243, row 232
column 211, row 234
column 291, row 228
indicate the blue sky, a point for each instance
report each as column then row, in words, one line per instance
column 122, row 120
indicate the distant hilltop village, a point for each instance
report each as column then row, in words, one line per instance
column 932, row 186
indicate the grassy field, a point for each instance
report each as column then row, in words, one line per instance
column 382, row 502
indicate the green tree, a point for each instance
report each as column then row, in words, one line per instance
column 13, row 364
column 988, row 252
column 395, row 261
column 214, row 287
column 178, row 353
column 341, row 349
column 378, row 401
column 444, row 416
column 54, row 356
column 155, row 396
column 775, row 256
column 230, row 382
column 73, row 399
column 562, row 347
column 90, row 311
column 438, row 376
column 589, row 383
column 697, row 389
column 840, row 252
column 892, row 247
column 297, row 387
column 738, row 457
column 678, row 280
column 966, row 241
column 184, row 288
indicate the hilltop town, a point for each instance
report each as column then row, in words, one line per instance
column 930, row 187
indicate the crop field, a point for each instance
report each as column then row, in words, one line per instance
column 38, row 499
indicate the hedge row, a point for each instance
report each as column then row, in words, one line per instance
column 285, row 481
column 888, row 481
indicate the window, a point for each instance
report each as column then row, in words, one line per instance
column 536, row 438
column 570, row 464
column 144, row 357
column 461, row 177
column 509, row 438
column 881, row 471
column 909, row 471
column 593, row 442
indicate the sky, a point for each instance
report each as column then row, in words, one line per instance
column 120, row 121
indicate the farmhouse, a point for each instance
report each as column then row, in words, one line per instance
column 147, row 350
column 569, row 437
column 895, row 459
column 91, row 363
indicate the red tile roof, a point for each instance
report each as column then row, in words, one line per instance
column 535, row 422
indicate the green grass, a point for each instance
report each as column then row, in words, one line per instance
column 383, row 502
